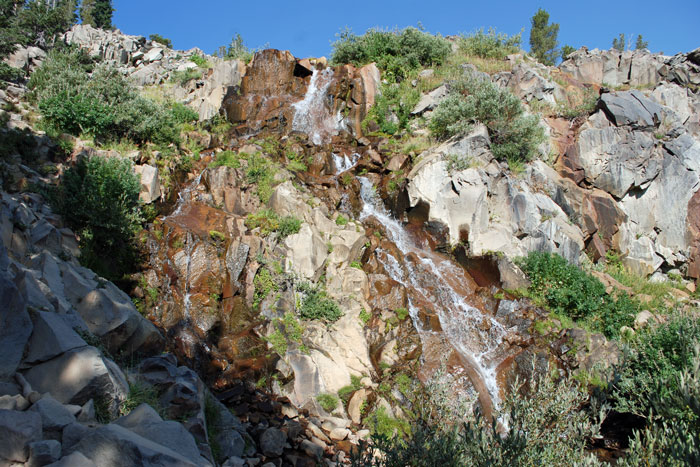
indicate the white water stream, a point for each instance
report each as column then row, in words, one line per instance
column 475, row 335
column 344, row 163
column 312, row 115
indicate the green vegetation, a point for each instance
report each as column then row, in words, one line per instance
column 140, row 393
column 401, row 313
column 328, row 402
column 269, row 221
column 641, row 44
column 212, row 418
column 76, row 96
column 264, row 283
column 346, row 391
column 99, row 200
column 33, row 22
column 490, row 44
column 161, row 40
column 618, row 43
column 200, row 61
column 651, row 376
column 365, row 316
column 97, row 13
column 236, row 50
column 566, row 50
column 568, row 291
column 226, row 159
column 356, row 264
column 287, row 329
column 543, row 38
column 316, row 304
column 513, row 134
column 185, row 76
column 341, row 220
column 396, row 52
column 392, row 109
column 539, row 419
column 217, row 236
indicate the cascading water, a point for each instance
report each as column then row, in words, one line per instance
column 344, row 163
column 435, row 282
column 312, row 115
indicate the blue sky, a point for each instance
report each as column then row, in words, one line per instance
column 307, row 28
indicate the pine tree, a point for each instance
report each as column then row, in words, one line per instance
column 566, row 51
column 641, row 43
column 87, row 8
column 97, row 13
column 543, row 38
column 103, row 14
column 619, row 43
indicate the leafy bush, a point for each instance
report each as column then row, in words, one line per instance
column 200, row 61
column 538, row 422
column 185, row 76
column 226, row 159
column 269, row 221
column 75, row 97
column 8, row 73
column 392, row 108
column 490, row 44
column 316, row 304
column 33, row 22
column 396, row 52
column 569, row 291
column 161, row 40
column 99, row 200
column 328, row 401
column 670, row 440
column 513, row 134
column 651, row 374
column 264, row 283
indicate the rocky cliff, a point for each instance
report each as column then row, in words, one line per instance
column 301, row 266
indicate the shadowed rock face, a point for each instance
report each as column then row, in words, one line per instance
column 275, row 80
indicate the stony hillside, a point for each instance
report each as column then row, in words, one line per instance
column 316, row 251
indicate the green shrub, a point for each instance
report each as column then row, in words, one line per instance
column 75, row 96
column 341, row 220
column 185, row 76
column 392, row 108
column 264, row 283
column 490, row 44
column 669, row 439
column 226, row 159
column 651, row 373
column 99, row 200
column 140, row 393
column 161, row 40
column 33, row 22
column 261, row 171
column 316, row 304
column 200, row 61
column 269, row 221
column 8, row 73
column 569, row 291
column 329, row 402
column 396, row 52
column 183, row 114
column 539, row 420
column 513, row 134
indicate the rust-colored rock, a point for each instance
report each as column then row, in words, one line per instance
column 275, row 80
column 693, row 222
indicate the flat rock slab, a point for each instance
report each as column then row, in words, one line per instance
column 17, row 430
column 77, row 376
column 115, row 446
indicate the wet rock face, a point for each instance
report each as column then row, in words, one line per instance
column 275, row 80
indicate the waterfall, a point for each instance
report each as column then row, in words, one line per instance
column 435, row 281
column 344, row 163
column 312, row 115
